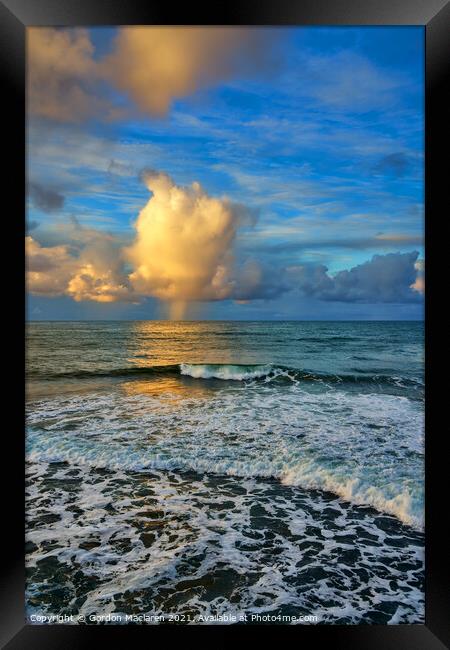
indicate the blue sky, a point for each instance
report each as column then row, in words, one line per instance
column 322, row 144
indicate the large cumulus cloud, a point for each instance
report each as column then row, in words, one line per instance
column 183, row 249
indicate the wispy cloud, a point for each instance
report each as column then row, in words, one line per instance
column 348, row 80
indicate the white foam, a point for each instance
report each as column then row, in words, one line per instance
column 368, row 449
column 210, row 528
column 224, row 371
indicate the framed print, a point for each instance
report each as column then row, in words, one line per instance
column 230, row 383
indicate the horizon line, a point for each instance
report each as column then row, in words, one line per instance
column 226, row 320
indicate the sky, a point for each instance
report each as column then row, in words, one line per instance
column 225, row 173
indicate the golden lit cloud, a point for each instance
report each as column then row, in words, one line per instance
column 49, row 269
column 153, row 66
column 182, row 253
column 183, row 246
column 90, row 283
column 96, row 273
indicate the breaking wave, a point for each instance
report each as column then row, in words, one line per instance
column 237, row 372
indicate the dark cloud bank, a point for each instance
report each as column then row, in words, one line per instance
column 382, row 279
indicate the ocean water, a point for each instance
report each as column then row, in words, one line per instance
column 219, row 468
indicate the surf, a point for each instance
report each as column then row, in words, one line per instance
column 235, row 373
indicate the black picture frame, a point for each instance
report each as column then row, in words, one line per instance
column 434, row 15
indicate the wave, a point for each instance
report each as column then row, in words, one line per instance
column 306, row 475
column 268, row 372
column 366, row 448
column 230, row 372
column 237, row 372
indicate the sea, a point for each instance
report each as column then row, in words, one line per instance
column 219, row 471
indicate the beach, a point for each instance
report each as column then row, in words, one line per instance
column 220, row 469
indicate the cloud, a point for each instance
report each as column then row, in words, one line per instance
column 419, row 283
column 183, row 249
column 100, row 274
column 45, row 198
column 390, row 278
column 349, row 81
column 385, row 278
column 92, row 271
column 117, row 168
column 382, row 240
column 49, row 269
column 396, row 164
column 155, row 65
column 61, row 74
column 152, row 66
column 184, row 252
column 256, row 281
